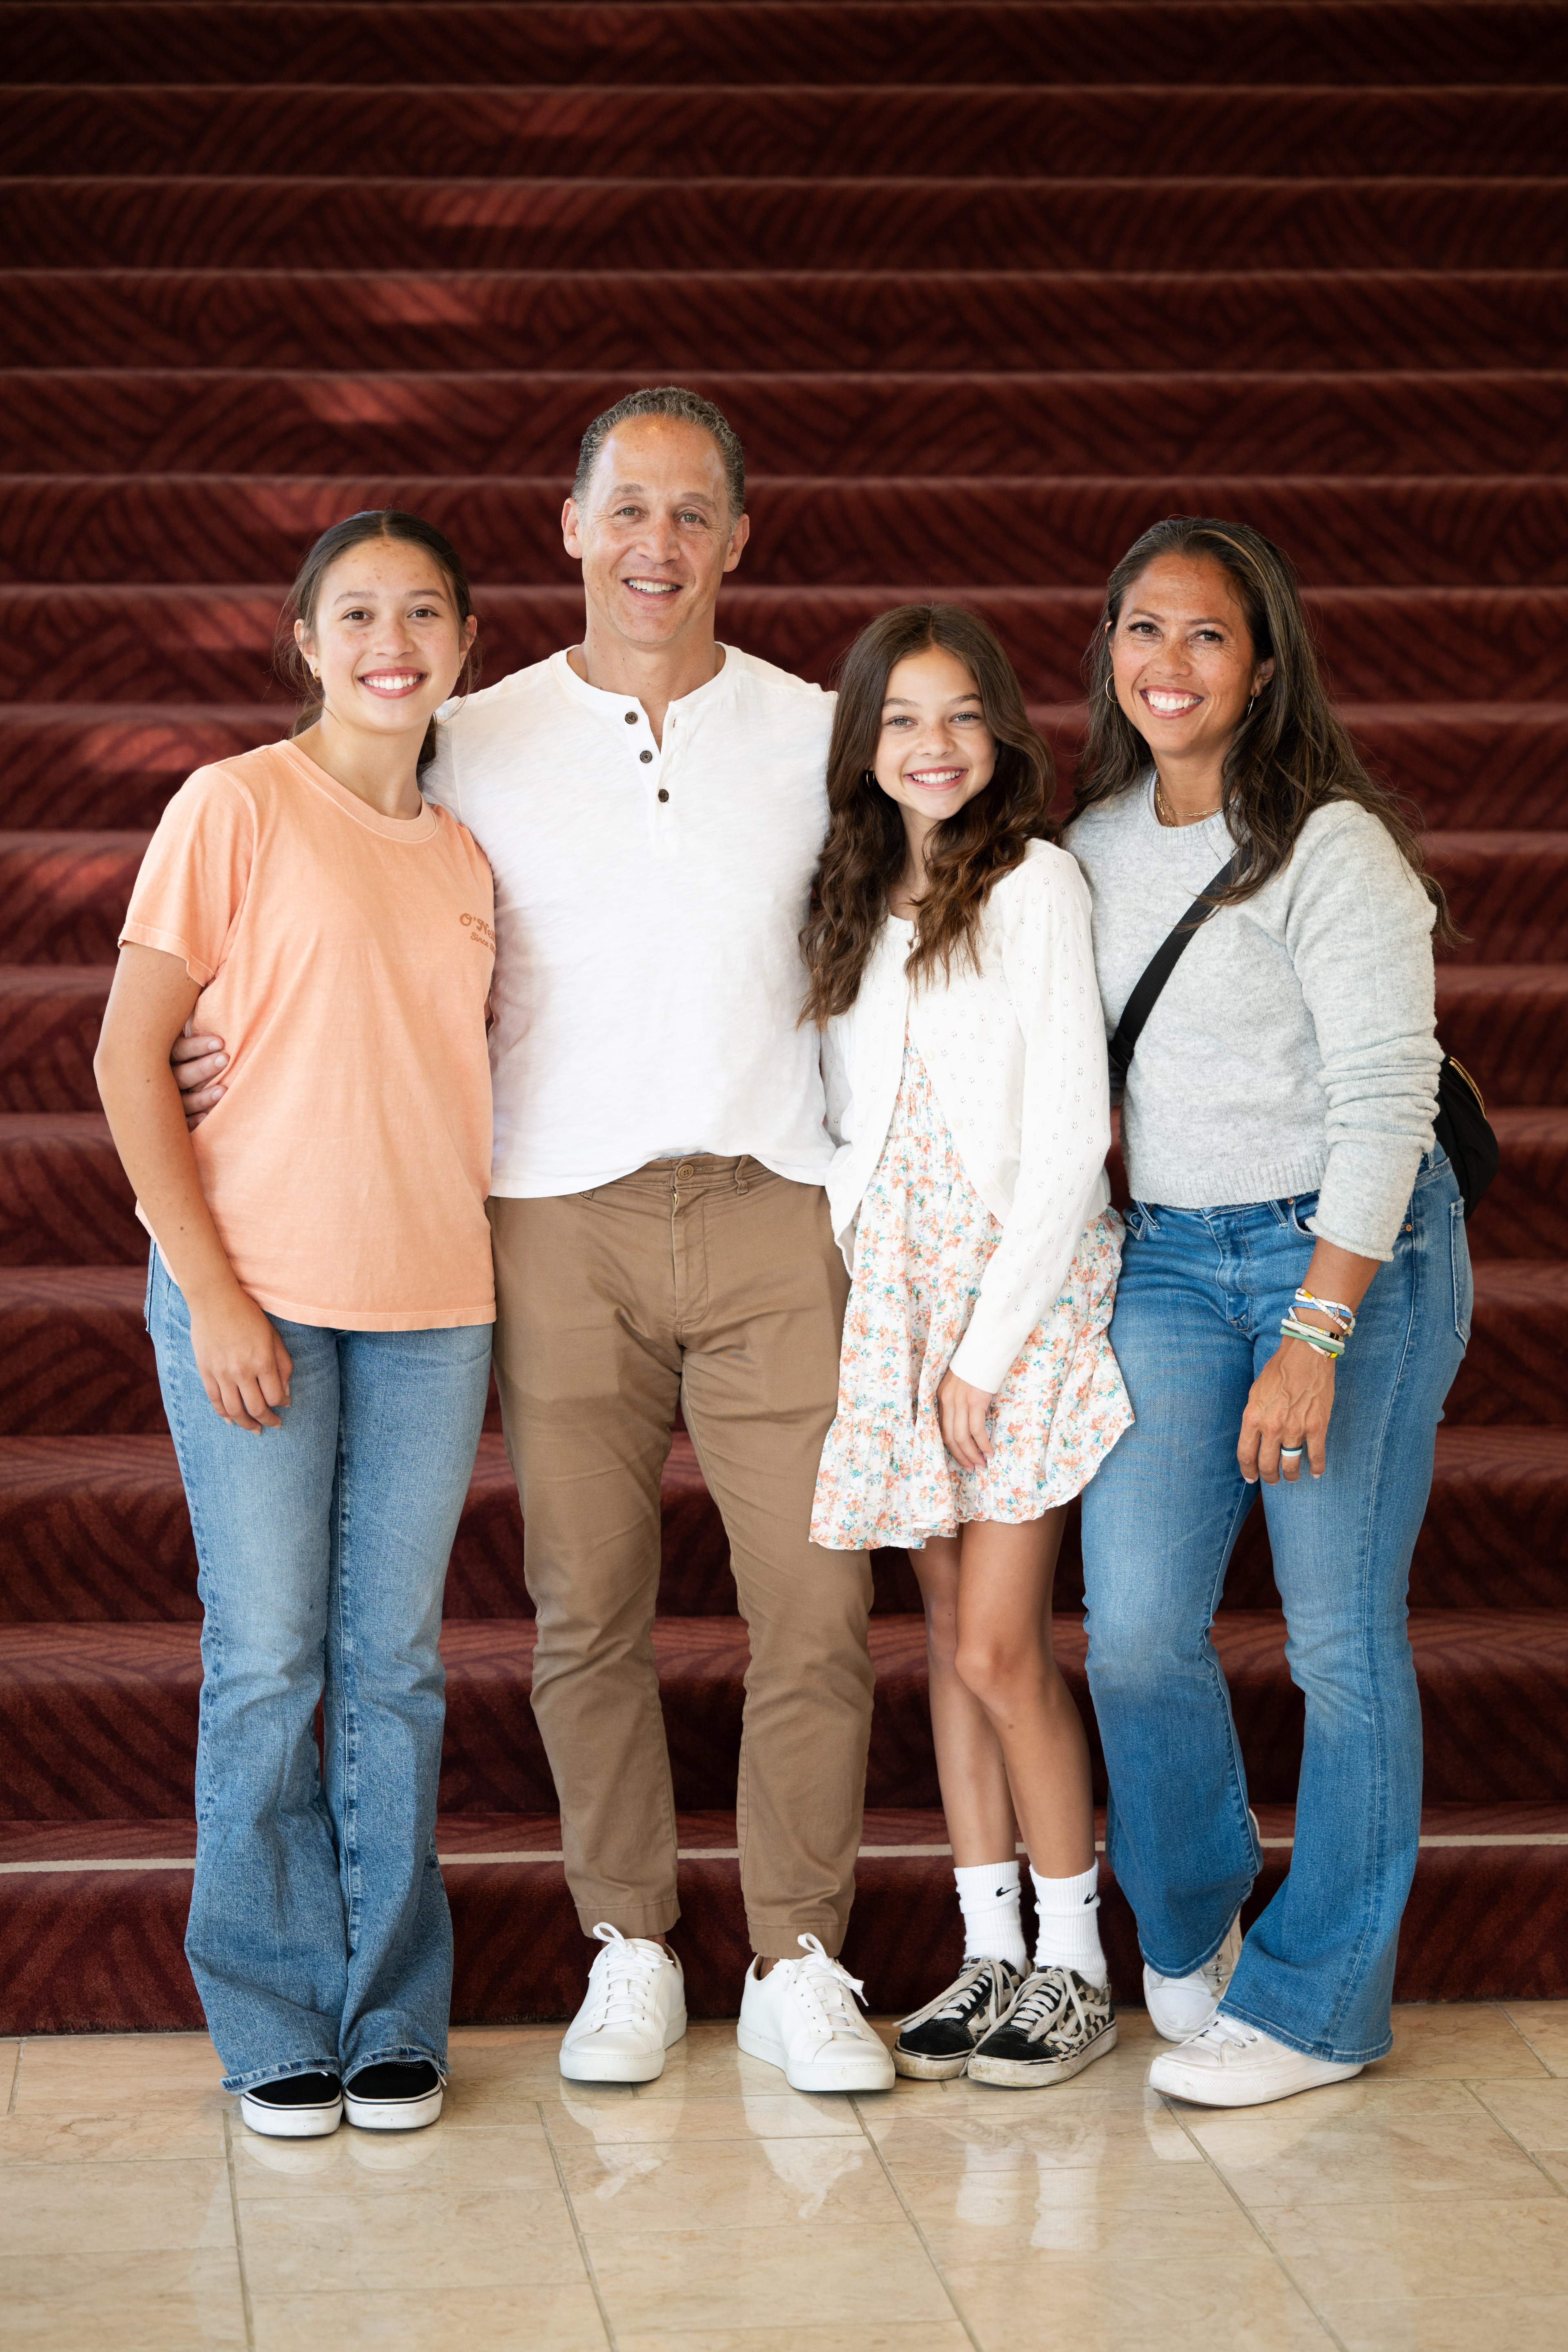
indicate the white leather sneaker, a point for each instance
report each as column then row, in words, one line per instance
column 1180, row 2007
column 1230, row 2065
column 802, row 2016
column 634, row 2009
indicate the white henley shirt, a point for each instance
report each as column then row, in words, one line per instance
column 649, row 982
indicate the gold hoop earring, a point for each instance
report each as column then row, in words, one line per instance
column 1247, row 712
column 1109, row 694
column 871, row 778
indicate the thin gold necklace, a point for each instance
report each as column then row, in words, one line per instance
column 1167, row 814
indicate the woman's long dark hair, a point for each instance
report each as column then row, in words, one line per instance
column 1291, row 754
column 867, row 848
column 371, row 522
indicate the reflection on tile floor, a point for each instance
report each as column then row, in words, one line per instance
column 1423, row 2208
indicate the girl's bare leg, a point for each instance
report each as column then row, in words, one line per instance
column 1004, row 1660
column 970, row 1765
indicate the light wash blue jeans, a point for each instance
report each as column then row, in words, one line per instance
column 319, row 1934
column 1197, row 1317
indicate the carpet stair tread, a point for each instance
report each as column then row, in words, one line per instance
column 440, row 129
column 1510, row 530
column 80, row 1363
column 920, row 222
column 256, row 40
column 1485, row 421
column 94, row 1529
column 100, row 1719
column 832, row 320
column 99, row 1948
column 1508, row 1022
column 107, row 641
column 63, row 895
column 101, row 765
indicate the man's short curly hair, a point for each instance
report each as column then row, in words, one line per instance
column 667, row 400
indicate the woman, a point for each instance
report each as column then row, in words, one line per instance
column 1295, row 1293
column 952, row 972
column 320, row 1299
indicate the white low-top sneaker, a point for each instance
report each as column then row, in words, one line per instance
column 1230, row 2065
column 802, row 2016
column 635, row 2007
column 1180, row 2007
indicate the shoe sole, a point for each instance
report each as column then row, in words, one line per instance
column 1238, row 2093
column 392, row 2114
column 589, row 2066
column 1020, row 2075
column 290, row 2123
column 839, row 2074
column 916, row 2069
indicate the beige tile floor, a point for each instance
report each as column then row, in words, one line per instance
column 1423, row 2208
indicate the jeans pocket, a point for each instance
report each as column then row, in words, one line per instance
column 1303, row 1206
column 1464, row 1280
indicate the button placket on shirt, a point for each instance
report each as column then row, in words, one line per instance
column 649, row 763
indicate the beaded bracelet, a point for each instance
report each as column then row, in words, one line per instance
column 1324, row 1342
column 1329, row 1307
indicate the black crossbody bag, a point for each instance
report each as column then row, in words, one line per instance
column 1461, row 1126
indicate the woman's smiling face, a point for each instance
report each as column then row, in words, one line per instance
column 935, row 750
column 1183, row 658
column 387, row 643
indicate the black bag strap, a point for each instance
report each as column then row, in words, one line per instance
column 1163, row 963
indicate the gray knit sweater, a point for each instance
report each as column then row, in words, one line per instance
column 1293, row 1049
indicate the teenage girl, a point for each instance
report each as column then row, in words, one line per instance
column 951, row 972
column 320, row 1300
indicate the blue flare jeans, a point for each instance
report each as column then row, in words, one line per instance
column 1197, row 1317
column 318, row 1935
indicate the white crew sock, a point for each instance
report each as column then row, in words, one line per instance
column 988, row 1898
column 1070, row 1924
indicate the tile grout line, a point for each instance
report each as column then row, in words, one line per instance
column 586, row 2258
column 958, row 2311
column 238, row 2234
column 1473, row 2087
column 1552, row 2070
column 17, row 2076
column 1279, row 2260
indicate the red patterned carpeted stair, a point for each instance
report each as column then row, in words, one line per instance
column 265, row 261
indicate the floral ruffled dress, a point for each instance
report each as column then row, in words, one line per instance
column 923, row 1242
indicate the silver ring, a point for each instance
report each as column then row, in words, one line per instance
column 1293, row 1452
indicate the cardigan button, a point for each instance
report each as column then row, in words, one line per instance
column 645, row 757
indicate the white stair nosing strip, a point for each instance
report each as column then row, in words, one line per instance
column 711, row 1853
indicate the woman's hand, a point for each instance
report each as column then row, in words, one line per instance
column 1290, row 1402
column 245, row 1367
column 960, row 1410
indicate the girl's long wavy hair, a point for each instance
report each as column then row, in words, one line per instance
column 866, row 849
column 301, row 604
column 1292, row 753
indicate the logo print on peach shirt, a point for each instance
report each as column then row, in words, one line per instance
column 478, row 929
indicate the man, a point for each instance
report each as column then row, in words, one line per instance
column 652, row 803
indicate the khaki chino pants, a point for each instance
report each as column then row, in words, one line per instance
column 717, row 1285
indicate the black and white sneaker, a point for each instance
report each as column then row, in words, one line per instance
column 1057, row 2025
column 938, row 2040
column 400, row 2094
column 300, row 2106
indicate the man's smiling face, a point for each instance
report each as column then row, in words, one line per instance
column 655, row 534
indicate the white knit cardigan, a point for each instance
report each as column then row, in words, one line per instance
column 1015, row 1055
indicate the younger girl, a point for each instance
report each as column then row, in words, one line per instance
column 952, row 971
column 320, row 1300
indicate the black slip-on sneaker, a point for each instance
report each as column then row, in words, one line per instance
column 938, row 2040
column 299, row 2107
column 399, row 2095
column 1057, row 2025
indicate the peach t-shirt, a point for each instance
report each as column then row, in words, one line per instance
column 346, row 959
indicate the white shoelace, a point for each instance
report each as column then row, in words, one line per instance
column 625, row 1973
column 828, row 1992
column 1223, row 2033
